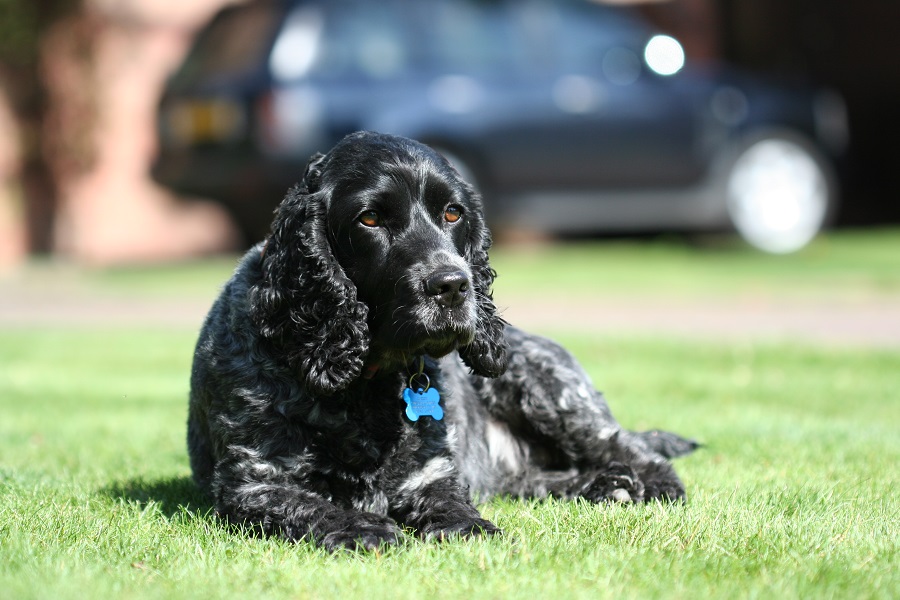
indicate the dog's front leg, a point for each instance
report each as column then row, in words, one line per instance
column 433, row 502
column 286, row 509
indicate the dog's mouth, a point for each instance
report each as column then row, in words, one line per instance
column 435, row 339
column 419, row 330
column 443, row 343
column 398, row 353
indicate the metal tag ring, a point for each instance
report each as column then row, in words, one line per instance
column 427, row 381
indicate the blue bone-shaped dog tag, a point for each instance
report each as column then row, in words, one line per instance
column 423, row 404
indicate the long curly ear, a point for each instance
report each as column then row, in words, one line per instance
column 486, row 354
column 305, row 304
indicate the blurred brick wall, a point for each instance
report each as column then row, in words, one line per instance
column 693, row 22
column 101, row 139
column 113, row 213
column 12, row 223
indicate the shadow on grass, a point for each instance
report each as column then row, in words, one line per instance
column 172, row 495
column 175, row 496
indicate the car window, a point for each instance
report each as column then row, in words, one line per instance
column 473, row 38
column 532, row 37
column 591, row 30
column 598, row 39
column 338, row 39
column 233, row 44
column 390, row 38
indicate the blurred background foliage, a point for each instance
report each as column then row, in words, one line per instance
column 24, row 27
column 23, row 23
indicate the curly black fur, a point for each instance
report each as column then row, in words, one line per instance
column 377, row 261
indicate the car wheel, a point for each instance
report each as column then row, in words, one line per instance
column 779, row 193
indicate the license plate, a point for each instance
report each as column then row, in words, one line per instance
column 205, row 121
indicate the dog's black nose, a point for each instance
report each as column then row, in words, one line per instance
column 449, row 288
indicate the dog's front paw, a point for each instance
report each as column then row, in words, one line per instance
column 665, row 490
column 616, row 483
column 662, row 484
column 464, row 527
column 364, row 531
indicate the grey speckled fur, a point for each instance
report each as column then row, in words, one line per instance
column 296, row 425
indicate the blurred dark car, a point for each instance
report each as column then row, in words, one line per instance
column 570, row 116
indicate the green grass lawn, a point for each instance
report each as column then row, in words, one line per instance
column 794, row 494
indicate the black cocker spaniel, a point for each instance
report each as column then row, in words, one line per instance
column 354, row 375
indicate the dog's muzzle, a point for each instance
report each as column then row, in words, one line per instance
column 449, row 288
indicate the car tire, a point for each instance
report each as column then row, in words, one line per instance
column 780, row 192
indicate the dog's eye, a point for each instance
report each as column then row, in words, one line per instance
column 370, row 218
column 453, row 213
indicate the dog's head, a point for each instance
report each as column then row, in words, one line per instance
column 378, row 256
